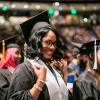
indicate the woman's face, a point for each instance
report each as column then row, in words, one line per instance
column 17, row 56
column 48, row 45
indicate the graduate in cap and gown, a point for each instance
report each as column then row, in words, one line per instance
column 87, row 87
column 11, row 56
column 35, row 78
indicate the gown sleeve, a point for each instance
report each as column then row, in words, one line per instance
column 84, row 91
column 22, row 81
column 76, row 92
column 4, row 84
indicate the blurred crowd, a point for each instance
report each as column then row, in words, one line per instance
column 72, row 36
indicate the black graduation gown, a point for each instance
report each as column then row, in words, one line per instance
column 85, row 88
column 5, row 76
column 22, row 81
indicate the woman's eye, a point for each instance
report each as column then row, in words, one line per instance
column 49, row 42
column 17, row 52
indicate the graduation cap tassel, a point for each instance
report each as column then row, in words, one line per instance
column 95, row 56
column 25, row 47
column 3, row 52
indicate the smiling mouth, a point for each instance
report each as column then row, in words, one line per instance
column 50, row 53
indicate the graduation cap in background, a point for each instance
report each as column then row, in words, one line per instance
column 91, row 47
column 9, row 42
column 29, row 26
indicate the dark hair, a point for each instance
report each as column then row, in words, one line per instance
column 35, row 44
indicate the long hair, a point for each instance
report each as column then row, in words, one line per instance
column 35, row 43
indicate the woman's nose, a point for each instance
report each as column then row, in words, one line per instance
column 52, row 47
column 19, row 56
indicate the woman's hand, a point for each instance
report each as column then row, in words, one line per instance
column 38, row 86
column 40, row 72
column 62, row 66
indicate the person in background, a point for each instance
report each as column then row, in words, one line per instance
column 69, row 56
column 97, row 30
column 87, row 87
column 74, row 66
column 7, row 67
column 82, row 34
column 35, row 78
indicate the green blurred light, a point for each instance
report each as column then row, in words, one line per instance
column 51, row 11
column 4, row 8
column 73, row 11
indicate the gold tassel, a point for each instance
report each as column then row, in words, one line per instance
column 3, row 52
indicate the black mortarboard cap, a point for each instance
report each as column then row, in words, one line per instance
column 88, row 48
column 10, row 42
column 91, row 47
column 29, row 25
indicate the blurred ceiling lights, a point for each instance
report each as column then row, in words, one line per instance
column 45, row 6
column 13, row 20
column 56, row 3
